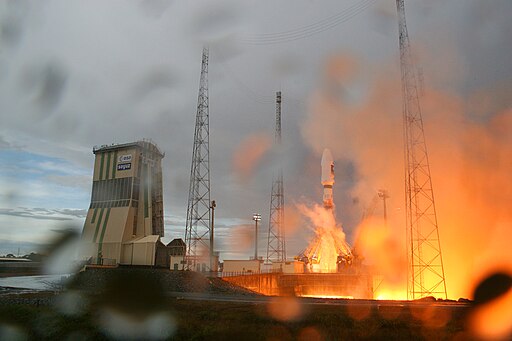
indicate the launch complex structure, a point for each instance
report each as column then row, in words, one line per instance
column 124, row 223
column 425, row 264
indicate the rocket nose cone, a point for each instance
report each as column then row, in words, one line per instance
column 326, row 157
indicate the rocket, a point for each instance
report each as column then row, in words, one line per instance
column 327, row 177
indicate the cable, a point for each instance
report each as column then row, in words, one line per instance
column 305, row 28
column 309, row 30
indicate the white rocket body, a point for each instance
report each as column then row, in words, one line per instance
column 327, row 177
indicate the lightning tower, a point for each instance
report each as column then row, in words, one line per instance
column 425, row 263
column 197, row 234
column 276, row 248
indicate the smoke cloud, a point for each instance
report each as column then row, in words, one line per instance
column 470, row 163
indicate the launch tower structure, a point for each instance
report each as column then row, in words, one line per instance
column 197, row 234
column 276, row 248
column 425, row 262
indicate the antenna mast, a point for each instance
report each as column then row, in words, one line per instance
column 425, row 263
column 276, row 249
column 197, row 233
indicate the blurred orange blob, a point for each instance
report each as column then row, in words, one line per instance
column 249, row 153
column 431, row 316
column 359, row 312
column 378, row 244
column 310, row 334
column 340, row 67
column 285, row 308
column 493, row 320
column 381, row 249
column 293, row 219
column 242, row 238
column 390, row 312
column 278, row 333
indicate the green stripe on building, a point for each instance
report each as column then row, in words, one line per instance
column 94, row 215
column 114, row 164
column 100, row 246
column 146, row 194
column 101, row 165
column 98, row 225
column 108, row 166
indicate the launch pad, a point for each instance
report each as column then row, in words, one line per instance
column 327, row 268
column 328, row 285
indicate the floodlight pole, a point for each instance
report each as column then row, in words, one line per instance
column 212, row 260
column 256, row 217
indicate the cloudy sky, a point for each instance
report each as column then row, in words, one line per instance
column 75, row 74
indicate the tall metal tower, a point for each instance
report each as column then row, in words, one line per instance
column 197, row 234
column 276, row 249
column 425, row 263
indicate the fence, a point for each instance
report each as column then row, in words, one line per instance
column 101, row 261
column 249, row 273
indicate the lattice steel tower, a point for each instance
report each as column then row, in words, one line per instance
column 197, row 234
column 276, row 249
column 425, row 263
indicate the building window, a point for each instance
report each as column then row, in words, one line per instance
column 111, row 193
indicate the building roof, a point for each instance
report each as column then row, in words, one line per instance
column 178, row 242
column 143, row 144
column 147, row 239
column 14, row 259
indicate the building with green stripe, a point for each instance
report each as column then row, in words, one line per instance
column 125, row 219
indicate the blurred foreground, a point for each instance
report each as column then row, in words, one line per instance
column 161, row 304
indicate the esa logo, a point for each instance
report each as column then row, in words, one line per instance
column 124, row 158
column 124, row 166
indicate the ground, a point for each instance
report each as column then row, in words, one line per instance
column 125, row 305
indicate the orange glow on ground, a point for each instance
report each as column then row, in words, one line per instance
column 329, row 296
column 391, row 295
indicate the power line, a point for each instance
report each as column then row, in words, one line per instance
column 308, row 30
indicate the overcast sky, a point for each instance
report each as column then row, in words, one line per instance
column 75, row 74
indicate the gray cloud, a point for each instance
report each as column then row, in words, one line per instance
column 10, row 31
column 135, row 74
column 45, row 83
column 157, row 79
column 12, row 22
column 45, row 214
column 73, row 181
column 51, row 83
column 24, row 247
column 4, row 144
column 155, row 8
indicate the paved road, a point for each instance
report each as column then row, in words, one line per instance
column 322, row 301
